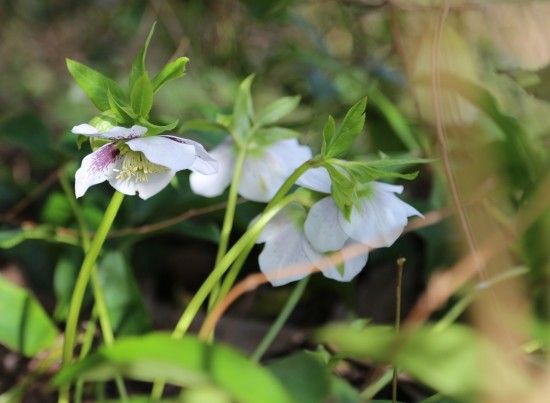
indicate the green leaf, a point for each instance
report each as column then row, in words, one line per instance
column 351, row 127
column 64, row 279
column 243, row 110
column 24, row 325
column 123, row 114
column 95, row 85
column 170, row 71
column 447, row 361
column 304, row 375
column 343, row 189
column 154, row 129
column 276, row 110
column 122, row 296
column 13, row 237
column 141, row 97
column 270, row 135
column 185, row 362
column 329, row 131
column 138, row 66
column 57, row 210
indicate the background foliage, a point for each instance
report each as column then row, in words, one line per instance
column 463, row 82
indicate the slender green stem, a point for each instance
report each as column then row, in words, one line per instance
column 282, row 192
column 229, row 215
column 400, row 266
column 202, row 294
column 82, row 281
column 276, row 327
column 86, row 347
column 100, row 308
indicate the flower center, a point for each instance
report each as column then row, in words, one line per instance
column 135, row 166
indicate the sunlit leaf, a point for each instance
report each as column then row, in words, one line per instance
column 94, row 84
column 243, row 110
column 141, row 97
column 138, row 66
column 171, row 71
column 184, row 362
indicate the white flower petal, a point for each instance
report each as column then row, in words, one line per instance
column 165, row 151
column 282, row 251
column 316, row 179
column 264, row 174
column 379, row 220
column 352, row 265
column 115, row 133
column 95, row 168
column 204, row 162
column 291, row 153
column 322, row 226
column 145, row 189
column 214, row 185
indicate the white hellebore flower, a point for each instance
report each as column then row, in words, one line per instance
column 264, row 170
column 286, row 246
column 377, row 221
column 134, row 164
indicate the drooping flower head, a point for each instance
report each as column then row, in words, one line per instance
column 134, row 164
column 286, row 245
column 265, row 169
column 377, row 220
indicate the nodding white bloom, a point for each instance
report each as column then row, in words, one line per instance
column 286, row 245
column 377, row 221
column 264, row 170
column 134, row 164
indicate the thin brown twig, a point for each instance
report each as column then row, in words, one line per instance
column 442, row 139
column 148, row 228
column 33, row 194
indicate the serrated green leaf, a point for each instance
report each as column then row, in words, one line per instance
column 95, row 85
column 141, row 97
column 185, row 362
column 138, row 66
column 329, row 131
column 154, row 129
column 24, row 325
column 351, row 127
column 243, row 110
column 276, row 110
column 170, row 71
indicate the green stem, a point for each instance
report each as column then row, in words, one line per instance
column 100, row 308
column 274, row 330
column 229, row 215
column 82, row 281
column 400, row 266
column 282, row 192
column 200, row 296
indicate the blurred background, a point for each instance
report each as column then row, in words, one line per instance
column 465, row 82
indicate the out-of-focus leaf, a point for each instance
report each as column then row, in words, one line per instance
column 95, row 85
column 64, row 279
column 304, row 375
column 124, row 302
column 13, row 237
column 141, row 97
column 243, row 110
column 447, row 361
column 171, row 71
column 205, row 231
column 184, row 362
column 57, row 210
column 276, row 110
column 270, row 135
column 24, row 325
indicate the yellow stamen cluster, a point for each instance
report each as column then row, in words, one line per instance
column 135, row 166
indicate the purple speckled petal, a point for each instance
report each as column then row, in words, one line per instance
column 95, row 168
